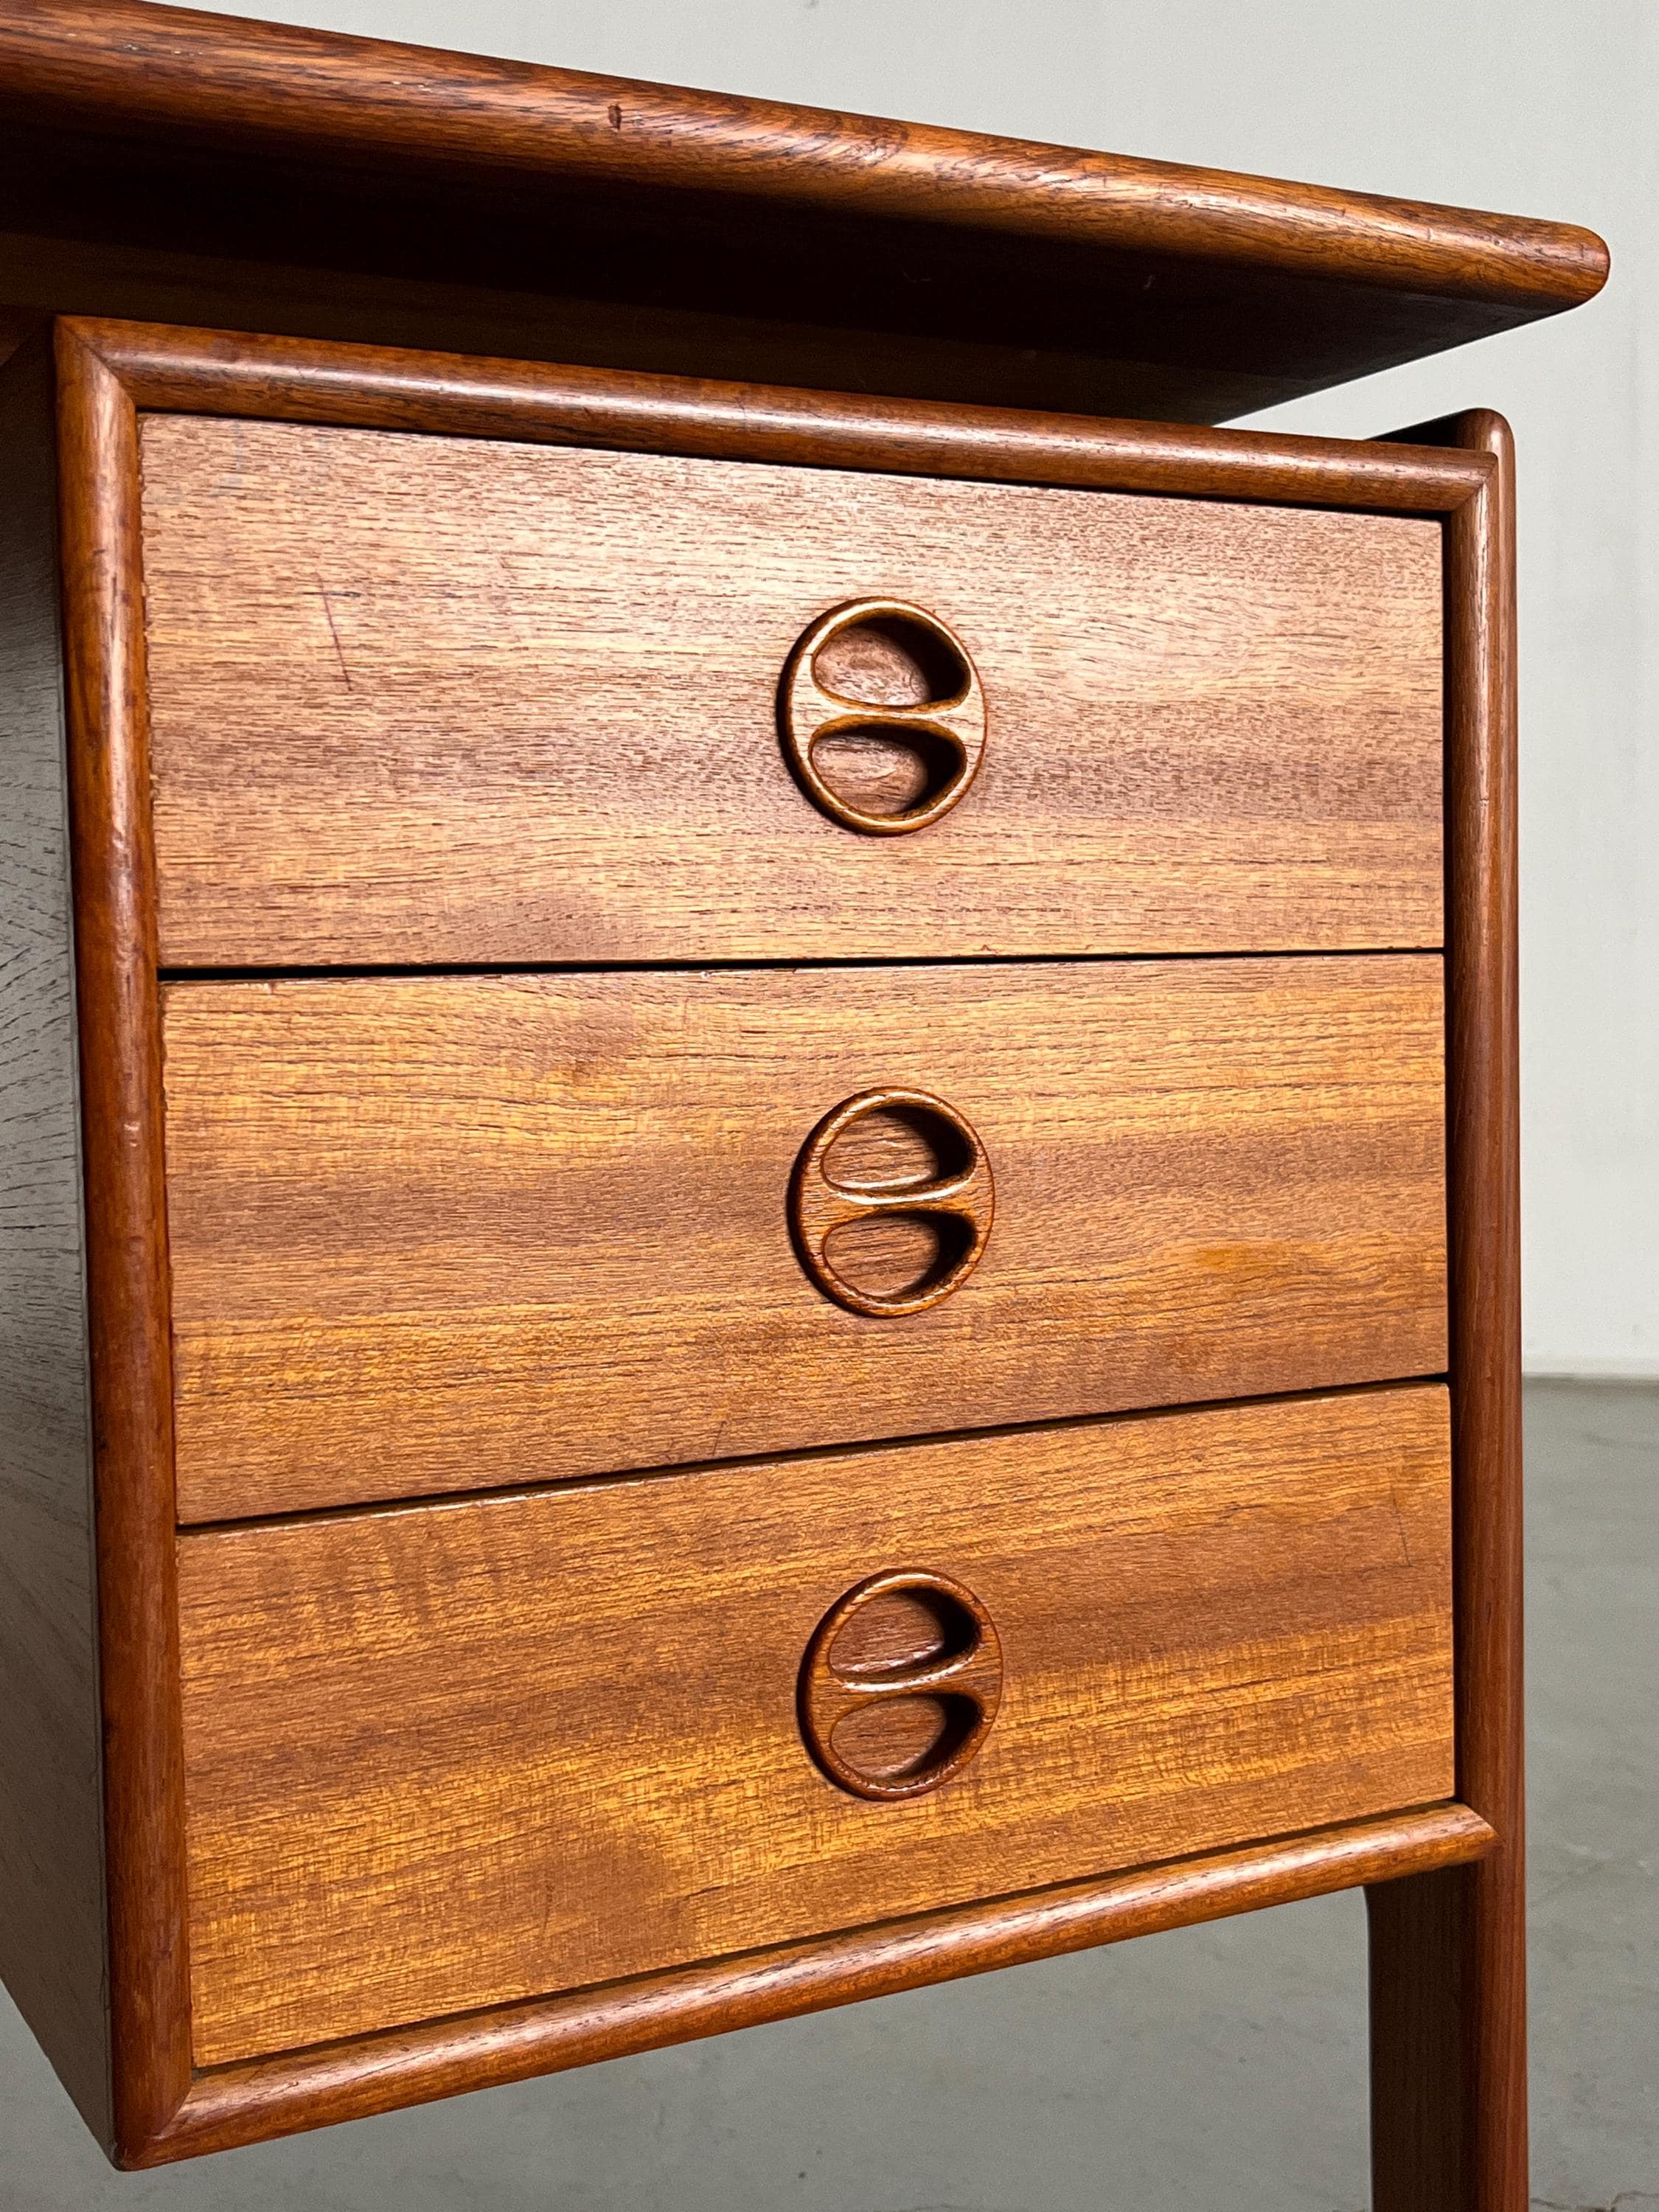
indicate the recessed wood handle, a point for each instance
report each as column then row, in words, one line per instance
column 956, row 1190
column 815, row 706
column 900, row 1684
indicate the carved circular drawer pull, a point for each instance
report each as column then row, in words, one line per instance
column 882, row 716
column 891, row 1202
column 900, row 1684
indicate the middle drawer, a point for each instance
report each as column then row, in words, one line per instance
column 445, row 1233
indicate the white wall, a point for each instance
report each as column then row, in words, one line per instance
column 1532, row 106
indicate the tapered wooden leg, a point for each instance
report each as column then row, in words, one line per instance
column 1449, row 2040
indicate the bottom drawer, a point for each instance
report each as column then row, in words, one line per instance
column 450, row 1755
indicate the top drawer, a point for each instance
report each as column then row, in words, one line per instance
column 417, row 699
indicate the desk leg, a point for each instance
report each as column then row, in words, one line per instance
column 1449, row 2040
column 1447, row 1951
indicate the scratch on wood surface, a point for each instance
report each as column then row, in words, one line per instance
column 334, row 632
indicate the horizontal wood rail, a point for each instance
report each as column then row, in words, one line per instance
column 347, row 2081
column 167, row 371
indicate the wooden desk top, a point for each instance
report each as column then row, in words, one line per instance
column 172, row 165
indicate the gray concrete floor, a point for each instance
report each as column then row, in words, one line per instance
column 1217, row 2065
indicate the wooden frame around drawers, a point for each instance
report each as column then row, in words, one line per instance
column 1446, row 1958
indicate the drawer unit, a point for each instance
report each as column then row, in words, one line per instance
column 419, row 699
column 438, row 1234
column 560, row 1733
column 769, row 1222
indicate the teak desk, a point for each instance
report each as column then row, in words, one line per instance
column 759, row 1113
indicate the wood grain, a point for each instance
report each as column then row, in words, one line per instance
column 172, row 68
column 557, row 1732
column 442, row 1233
column 417, row 700
column 195, row 160
column 121, row 1107
column 691, row 227
column 170, row 370
column 1448, row 1998
column 264, row 2097
column 52, row 1916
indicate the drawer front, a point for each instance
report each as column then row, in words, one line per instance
column 417, row 700
column 557, row 1735
column 445, row 1233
